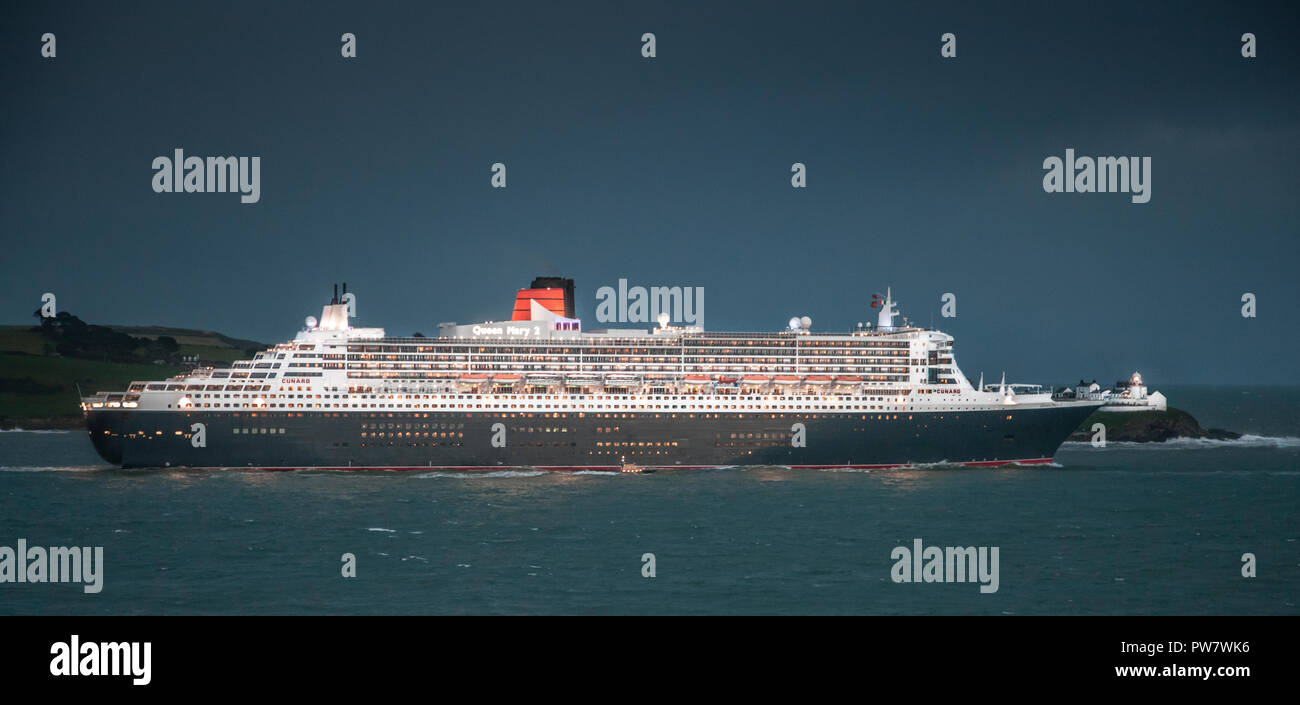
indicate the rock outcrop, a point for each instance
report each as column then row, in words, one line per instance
column 1149, row 427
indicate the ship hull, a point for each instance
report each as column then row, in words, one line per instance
column 488, row 440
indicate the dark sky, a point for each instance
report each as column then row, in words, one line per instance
column 924, row 174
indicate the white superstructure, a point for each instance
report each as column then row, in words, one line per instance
column 549, row 364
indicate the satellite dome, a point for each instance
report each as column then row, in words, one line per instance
column 795, row 323
column 311, row 321
column 806, row 322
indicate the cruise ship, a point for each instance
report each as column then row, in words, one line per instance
column 539, row 391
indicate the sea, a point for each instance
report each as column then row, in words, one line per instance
column 1183, row 527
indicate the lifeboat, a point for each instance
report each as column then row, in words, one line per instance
column 848, row 379
column 505, row 378
column 786, row 379
column 698, row 379
column 582, row 379
column 622, row 378
column 817, row 379
column 472, row 378
column 755, row 379
column 543, row 377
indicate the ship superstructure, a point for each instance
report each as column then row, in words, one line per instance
column 539, row 390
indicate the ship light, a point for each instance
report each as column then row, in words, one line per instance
column 259, row 402
column 183, row 402
column 129, row 404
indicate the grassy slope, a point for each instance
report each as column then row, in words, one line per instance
column 22, row 340
column 65, row 373
column 187, row 336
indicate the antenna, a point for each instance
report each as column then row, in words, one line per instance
column 336, row 294
column 345, row 288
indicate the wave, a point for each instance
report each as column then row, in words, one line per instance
column 937, row 465
column 473, row 474
column 54, row 468
column 595, row 472
column 1246, row 441
column 376, row 528
column 943, row 465
column 35, row 430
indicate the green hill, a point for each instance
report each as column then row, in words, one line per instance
column 38, row 389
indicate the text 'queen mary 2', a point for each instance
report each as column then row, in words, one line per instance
column 540, row 391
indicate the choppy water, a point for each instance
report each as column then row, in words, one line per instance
column 1126, row 529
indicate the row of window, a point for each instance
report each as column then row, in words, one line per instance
column 431, row 444
column 667, row 347
column 412, row 434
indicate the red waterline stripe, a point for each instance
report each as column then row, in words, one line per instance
column 564, row 468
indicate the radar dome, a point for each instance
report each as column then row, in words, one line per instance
column 795, row 323
column 311, row 321
column 806, row 322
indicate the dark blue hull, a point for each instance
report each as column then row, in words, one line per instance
column 415, row 440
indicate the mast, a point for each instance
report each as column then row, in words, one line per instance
column 885, row 319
